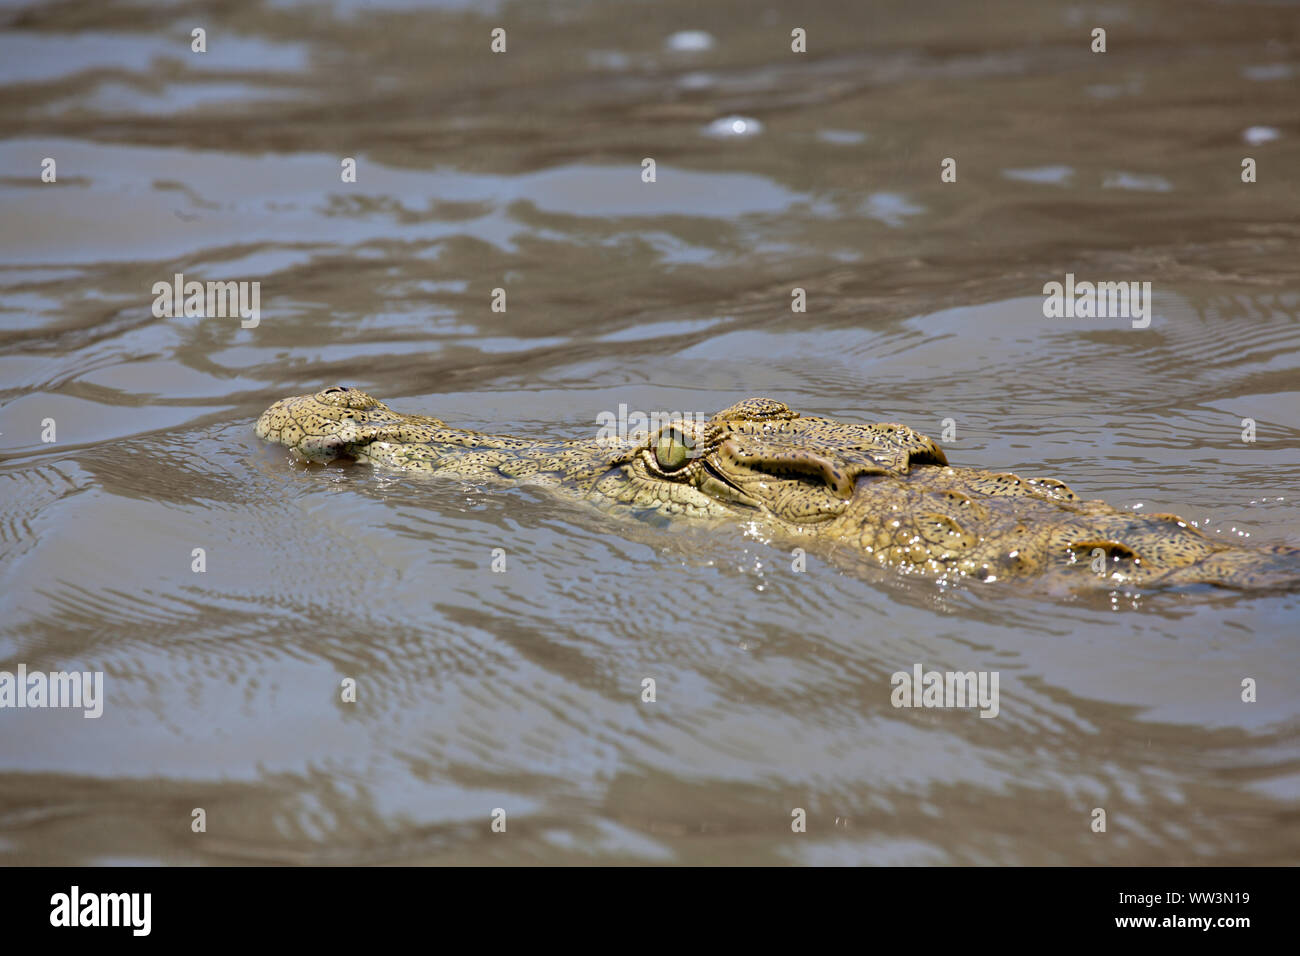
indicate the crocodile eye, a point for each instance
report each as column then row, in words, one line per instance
column 334, row 390
column 672, row 450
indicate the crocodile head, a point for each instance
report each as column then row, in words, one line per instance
column 337, row 422
column 760, row 455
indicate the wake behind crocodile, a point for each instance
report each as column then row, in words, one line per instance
column 872, row 494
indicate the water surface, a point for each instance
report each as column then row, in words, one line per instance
column 522, row 171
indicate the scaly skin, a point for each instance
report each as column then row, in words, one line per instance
column 880, row 494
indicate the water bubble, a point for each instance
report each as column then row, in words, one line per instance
column 1260, row 134
column 733, row 127
column 690, row 41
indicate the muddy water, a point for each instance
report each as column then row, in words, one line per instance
column 522, row 171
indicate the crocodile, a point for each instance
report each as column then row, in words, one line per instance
column 878, row 494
